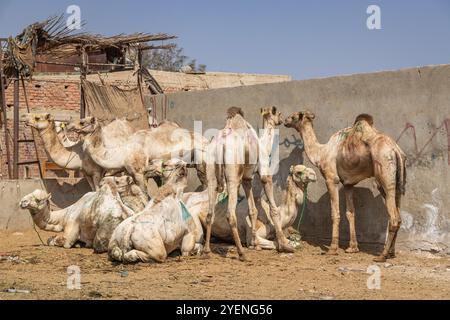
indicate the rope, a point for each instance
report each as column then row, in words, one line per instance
column 305, row 200
column 37, row 232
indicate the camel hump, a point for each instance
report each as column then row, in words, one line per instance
column 365, row 117
column 233, row 111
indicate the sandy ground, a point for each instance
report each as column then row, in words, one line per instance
column 306, row 274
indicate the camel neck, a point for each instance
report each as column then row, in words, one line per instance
column 268, row 136
column 62, row 156
column 292, row 202
column 311, row 144
column 47, row 220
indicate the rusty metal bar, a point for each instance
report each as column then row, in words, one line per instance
column 16, row 128
column 3, row 106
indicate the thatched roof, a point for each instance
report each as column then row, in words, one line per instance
column 52, row 38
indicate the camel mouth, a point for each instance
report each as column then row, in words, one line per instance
column 287, row 123
column 23, row 204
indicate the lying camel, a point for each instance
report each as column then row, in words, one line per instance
column 162, row 227
column 114, row 149
column 197, row 204
column 91, row 220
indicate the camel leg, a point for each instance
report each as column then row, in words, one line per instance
column 188, row 244
column 252, row 211
column 68, row 239
column 89, row 180
column 353, row 248
column 333, row 190
column 201, row 174
column 212, row 195
column 140, row 181
column 96, row 178
column 233, row 187
column 394, row 226
column 137, row 255
column 282, row 241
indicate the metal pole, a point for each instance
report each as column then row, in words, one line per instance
column 5, row 117
column 16, row 128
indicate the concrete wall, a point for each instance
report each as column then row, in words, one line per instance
column 412, row 106
column 64, row 193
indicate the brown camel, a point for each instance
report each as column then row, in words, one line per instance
column 350, row 156
column 233, row 157
column 70, row 157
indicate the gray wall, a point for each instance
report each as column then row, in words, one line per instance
column 419, row 97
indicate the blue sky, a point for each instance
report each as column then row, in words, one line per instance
column 305, row 39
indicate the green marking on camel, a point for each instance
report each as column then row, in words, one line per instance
column 185, row 212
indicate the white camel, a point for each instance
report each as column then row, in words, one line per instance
column 90, row 220
column 162, row 227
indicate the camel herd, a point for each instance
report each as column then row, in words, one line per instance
column 120, row 216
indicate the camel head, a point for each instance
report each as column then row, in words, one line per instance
column 39, row 121
column 297, row 119
column 154, row 169
column 302, row 175
column 36, row 201
column 173, row 170
column 272, row 116
column 121, row 184
column 83, row 126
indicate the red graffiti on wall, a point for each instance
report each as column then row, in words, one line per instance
column 445, row 124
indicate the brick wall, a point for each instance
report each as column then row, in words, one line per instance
column 43, row 95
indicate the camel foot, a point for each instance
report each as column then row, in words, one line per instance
column 243, row 258
column 352, row 250
column 285, row 248
column 257, row 248
column 332, row 252
column 380, row 259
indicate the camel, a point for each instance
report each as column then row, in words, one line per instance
column 116, row 149
column 91, row 220
column 350, row 156
column 61, row 132
column 65, row 156
column 233, row 157
column 297, row 181
column 162, row 227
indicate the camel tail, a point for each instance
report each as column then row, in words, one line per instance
column 400, row 175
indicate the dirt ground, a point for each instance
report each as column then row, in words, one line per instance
column 306, row 274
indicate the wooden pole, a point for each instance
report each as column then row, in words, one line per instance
column 83, row 73
column 16, row 128
column 5, row 117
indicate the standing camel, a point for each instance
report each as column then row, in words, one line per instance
column 271, row 119
column 233, row 157
column 116, row 149
column 70, row 157
column 350, row 156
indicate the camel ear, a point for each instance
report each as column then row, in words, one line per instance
column 93, row 119
column 47, row 197
column 129, row 180
column 274, row 110
column 48, row 116
column 291, row 170
column 310, row 115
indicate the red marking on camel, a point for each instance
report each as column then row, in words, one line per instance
column 445, row 124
